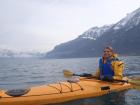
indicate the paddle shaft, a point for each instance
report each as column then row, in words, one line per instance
column 97, row 78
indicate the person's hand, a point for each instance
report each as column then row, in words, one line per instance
column 86, row 75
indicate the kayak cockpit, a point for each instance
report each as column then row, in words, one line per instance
column 17, row 92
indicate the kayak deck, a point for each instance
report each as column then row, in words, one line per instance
column 64, row 91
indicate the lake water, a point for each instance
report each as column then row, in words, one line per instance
column 26, row 72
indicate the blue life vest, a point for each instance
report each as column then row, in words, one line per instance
column 106, row 70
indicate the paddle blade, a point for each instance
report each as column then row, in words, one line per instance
column 136, row 87
column 67, row 73
column 135, row 83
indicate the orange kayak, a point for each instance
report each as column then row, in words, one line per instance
column 61, row 92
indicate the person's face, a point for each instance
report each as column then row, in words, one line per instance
column 107, row 53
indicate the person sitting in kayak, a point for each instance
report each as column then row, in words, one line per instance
column 110, row 67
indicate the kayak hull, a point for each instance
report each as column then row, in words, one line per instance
column 64, row 91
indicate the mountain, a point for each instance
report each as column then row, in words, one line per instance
column 95, row 32
column 124, row 37
column 79, row 46
column 6, row 53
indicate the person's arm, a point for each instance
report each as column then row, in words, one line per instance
column 118, row 67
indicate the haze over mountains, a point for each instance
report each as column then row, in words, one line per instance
column 124, row 36
column 8, row 53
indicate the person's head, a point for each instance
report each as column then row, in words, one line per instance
column 107, row 52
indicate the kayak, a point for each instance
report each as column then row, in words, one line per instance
column 61, row 92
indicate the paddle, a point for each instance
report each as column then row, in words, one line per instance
column 68, row 73
column 135, row 82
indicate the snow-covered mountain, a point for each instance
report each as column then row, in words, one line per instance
column 6, row 53
column 95, row 32
column 130, row 21
column 124, row 36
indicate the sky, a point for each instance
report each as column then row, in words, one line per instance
column 40, row 25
